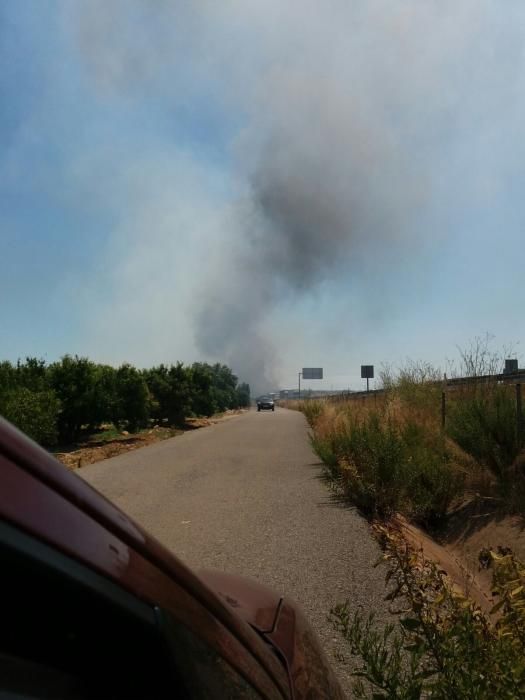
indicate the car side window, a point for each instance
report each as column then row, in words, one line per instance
column 205, row 673
column 66, row 632
column 78, row 633
column 20, row 678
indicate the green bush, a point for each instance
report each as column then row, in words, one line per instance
column 387, row 467
column 432, row 480
column 375, row 477
column 484, row 424
column 33, row 412
column 443, row 646
column 312, row 409
column 324, row 448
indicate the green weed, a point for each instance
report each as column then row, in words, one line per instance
column 443, row 646
column 384, row 466
column 483, row 423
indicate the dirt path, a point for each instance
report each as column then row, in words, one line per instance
column 244, row 496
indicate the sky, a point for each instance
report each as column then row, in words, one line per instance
column 272, row 185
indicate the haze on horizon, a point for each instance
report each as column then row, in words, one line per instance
column 270, row 185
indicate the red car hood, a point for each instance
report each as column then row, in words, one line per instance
column 42, row 497
column 283, row 625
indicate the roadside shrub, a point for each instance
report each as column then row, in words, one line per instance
column 384, row 466
column 312, row 409
column 433, row 479
column 373, row 454
column 390, row 452
column 483, row 423
column 33, row 412
column 418, row 386
column 324, row 448
column 443, row 646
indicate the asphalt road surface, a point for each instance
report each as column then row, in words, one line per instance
column 244, row 496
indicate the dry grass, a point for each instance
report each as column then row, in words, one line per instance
column 389, row 451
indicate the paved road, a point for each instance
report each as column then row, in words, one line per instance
column 244, row 496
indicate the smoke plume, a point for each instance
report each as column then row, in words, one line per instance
column 347, row 119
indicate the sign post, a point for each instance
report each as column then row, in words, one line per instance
column 367, row 372
column 310, row 373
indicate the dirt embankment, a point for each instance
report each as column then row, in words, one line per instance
column 95, row 449
column 471, row 530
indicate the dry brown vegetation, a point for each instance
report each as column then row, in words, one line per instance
column 458, row 488
column 391, row 452
column 446, row 494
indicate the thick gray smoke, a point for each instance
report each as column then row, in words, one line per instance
column 327, row 188
column 348, row 113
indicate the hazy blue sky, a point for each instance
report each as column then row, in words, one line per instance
column 269, row 184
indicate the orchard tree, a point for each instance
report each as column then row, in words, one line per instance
column 202, row 398
column 171, row 392
column 33, row 412
column 73, row 380
column 243, row 395
column 132, row 404
column 224, row 387
column 32, row 374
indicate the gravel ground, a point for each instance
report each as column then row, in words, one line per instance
column 245, row 497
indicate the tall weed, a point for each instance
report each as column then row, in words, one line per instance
column 443, row 646
column 384, row 464
column 398, row 467
column 312, row 409
column 483, row 423
column 389, row 452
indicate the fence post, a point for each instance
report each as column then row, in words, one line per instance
column 519, row 415
column 443, row 409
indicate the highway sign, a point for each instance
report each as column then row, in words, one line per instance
column 312, row 372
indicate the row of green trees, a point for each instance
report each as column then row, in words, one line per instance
column 55, row 403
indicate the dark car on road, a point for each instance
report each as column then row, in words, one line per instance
column 265, row 403
column 91, row 606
